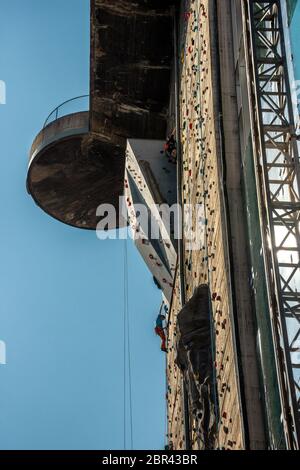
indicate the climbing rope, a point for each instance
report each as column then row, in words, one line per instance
column 166, row 402
column 126, row 353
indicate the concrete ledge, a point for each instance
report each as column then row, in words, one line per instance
column 72, row 171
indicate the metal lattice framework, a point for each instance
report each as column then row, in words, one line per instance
column 277, row 173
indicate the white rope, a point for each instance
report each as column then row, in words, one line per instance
column 127, row 352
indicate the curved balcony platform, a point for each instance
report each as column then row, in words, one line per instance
column 71, row 171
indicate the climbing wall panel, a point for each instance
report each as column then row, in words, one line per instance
column 205, row 244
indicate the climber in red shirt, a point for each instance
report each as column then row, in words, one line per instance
column 159, row 330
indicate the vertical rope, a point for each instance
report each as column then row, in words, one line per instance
column 124, row 348
column 127, row 351
column 128, row 343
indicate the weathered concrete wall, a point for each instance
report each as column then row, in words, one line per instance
column 130, row 78
column 130, row 67
column 130, row 72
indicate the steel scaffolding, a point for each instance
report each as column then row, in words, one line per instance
column 276, row 156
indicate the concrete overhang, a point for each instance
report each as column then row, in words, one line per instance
column 77, row 162
column 72, row 171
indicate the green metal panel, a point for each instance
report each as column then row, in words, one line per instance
column 295, row 35
column 291, row 5
column 270, row 391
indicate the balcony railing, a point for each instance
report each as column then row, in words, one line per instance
column 74, row 105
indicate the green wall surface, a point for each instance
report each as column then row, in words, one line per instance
column 295, row 38
column 265, row 348
column 291, row 5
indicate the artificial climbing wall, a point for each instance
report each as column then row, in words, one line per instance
column 205, row 239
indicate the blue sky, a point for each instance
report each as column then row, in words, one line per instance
column 295, row 35
column 61, row 289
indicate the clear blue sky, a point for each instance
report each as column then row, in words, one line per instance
column 295, row 35
column 61, row 289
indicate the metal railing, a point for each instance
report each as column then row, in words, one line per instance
column 67, row 108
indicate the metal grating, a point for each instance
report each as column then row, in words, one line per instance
column 277, row 172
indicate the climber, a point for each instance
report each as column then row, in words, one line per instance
column 170, row 148
column 159, row 330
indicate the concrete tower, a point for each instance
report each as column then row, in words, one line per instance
column 220, row 73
